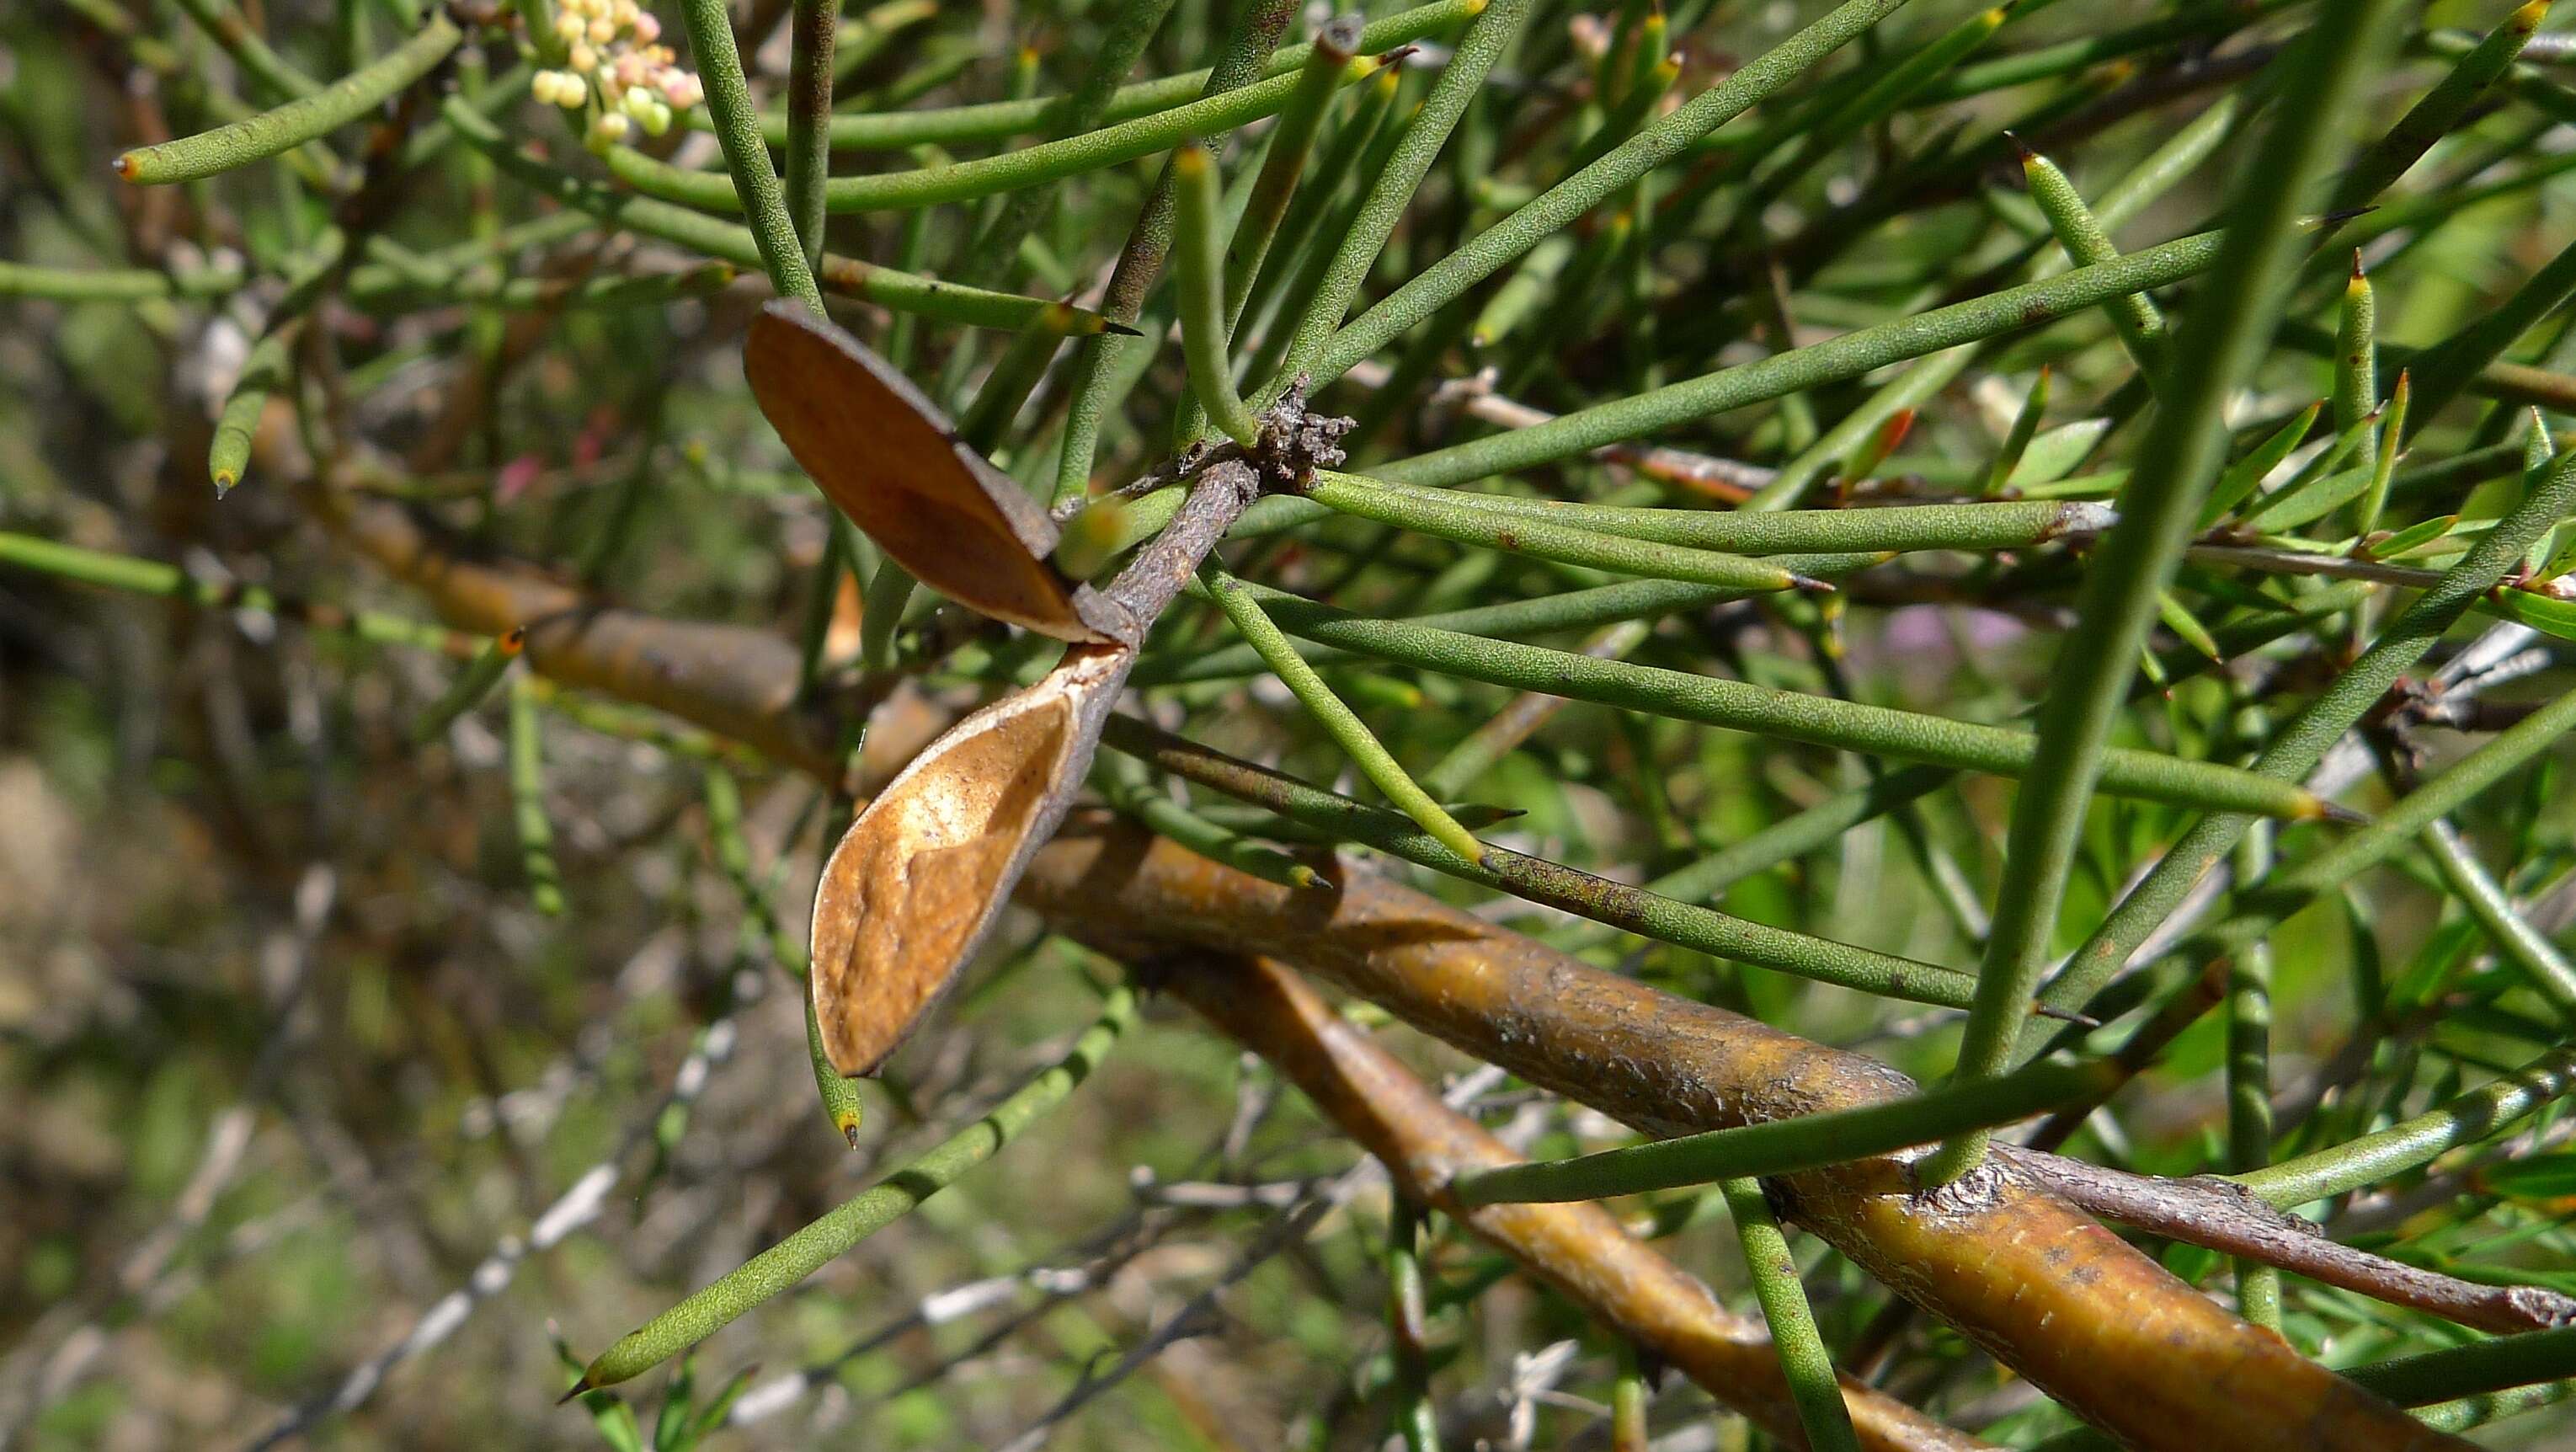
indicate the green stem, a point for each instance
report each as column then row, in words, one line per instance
column 1833, row 361
column 842, row 1105
column 2356, row 364
column 376, row 288
column 1628, row 1412
column 813, row 30
column 864, row 37
column 1417, row 1418
column 1787, row 1146
column 528, row 801
column 1631, row 110
column 1318, row 198
column 2230, row 325
column 1124, row 792
column 782, row 252
column 2025, row 424
column 2404, row 1146
column 1790, row 715
column 2495, row 1364
column 122, row 284
column 1318, row 82
column 2525, row 945
column 1888, row 88
column 1298, row 287
column 1915, row 386
column 2088, row 244
column 2446, row 369
column 264, row 372
column 150, row 577
column 790, row 1261
column 1390, row 191
column 2260, row 909
column 1105, row 371
column 1531, row 286
column 254, row 138
column 640, row 723
column 2311, row 492
column 2166, row 166
column 1804, row 1362
column 985, row 176
column 1339, row 722
column 1197, row 226
column 1002, row 120
column 1498, row 734
column 271, row 358
column 881, row 607
column 537, row 24
column 1463, row 519
column 2440, row 112
column 1124, row 39
column 2374, row 500
column 1538, row 615
column 471, row 686
column 233, row 34
column 1825, row 823
column 2249, row 1072
column 1553, row 884
column 2205, row 23
column 842, row 276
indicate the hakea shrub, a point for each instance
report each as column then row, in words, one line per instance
column 1919, row 645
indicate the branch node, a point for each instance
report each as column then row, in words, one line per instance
column 1296, row 442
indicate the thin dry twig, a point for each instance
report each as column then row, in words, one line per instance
column 1578, row 1248
column 1727, row 479
column 1199, row 1315
column 2221, row 1215
column 580, row 1204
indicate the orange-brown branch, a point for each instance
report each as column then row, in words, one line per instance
column 733, row 681
column 2045, row 1288
column 1579, row 1249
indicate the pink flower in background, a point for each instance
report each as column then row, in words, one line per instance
column 516, row 476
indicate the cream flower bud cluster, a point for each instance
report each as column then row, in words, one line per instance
column 614, row 47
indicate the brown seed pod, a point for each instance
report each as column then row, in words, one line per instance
column 888, row 459
column 915, row 884
column 917, row 881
